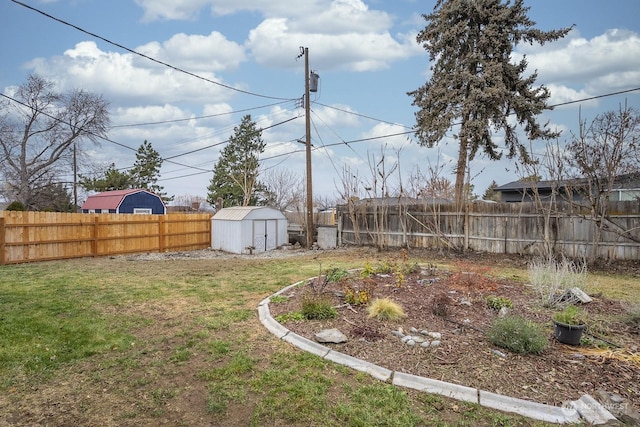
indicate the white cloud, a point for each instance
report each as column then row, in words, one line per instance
column 125, row 77
column 608, row 62
column 342, row 34
column 196, row 52
column 398, row 141
column 171, row 9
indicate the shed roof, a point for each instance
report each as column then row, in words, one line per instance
column 110, row 199
column 238, row 213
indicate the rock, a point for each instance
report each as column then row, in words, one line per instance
column 619, row 407
column 413, row 330
column 424, row 332
column 435, row 335
column 576, row 294
column 411, row 343
column 418, row 339
column 504, row 311
column 499, row 353
column 425, row 344
column 406, row 338
column 464, row 301
column 435, row 343
column 331, row 336
column 398, row 334
column 593, row 412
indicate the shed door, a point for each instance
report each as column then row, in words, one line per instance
column 265, row 232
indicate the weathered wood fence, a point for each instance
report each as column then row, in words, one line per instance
column 40, row 236
column 512, row 228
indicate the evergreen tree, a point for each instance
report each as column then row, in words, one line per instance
column 235, row 175
column 491, row 194
column 113, row 180
column 146, row 170
column 476, row 83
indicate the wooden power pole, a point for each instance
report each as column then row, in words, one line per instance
column 307, row 110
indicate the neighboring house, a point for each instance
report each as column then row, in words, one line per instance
column 248, row 229
column 625, row 188
column 134, row 201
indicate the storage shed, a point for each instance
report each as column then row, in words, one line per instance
column 134, row 201
column 247, row 229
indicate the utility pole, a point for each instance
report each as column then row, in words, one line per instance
column 75, row 179
column 307, row 110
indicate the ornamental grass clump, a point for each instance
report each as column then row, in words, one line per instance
column 518, row 335
column 318, row 307
column 551, row 278
column 385, row 309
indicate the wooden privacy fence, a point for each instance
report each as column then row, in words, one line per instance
column 511, row 228
column 40, row 236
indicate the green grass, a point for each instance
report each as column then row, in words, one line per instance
column 132, row 342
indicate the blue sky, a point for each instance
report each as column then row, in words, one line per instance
column 364, row 51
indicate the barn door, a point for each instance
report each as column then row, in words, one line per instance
column 265, row 234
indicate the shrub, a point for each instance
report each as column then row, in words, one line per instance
column 570, row 315
column 440, row 305
column 385, row 309
column 496, row 303
column 336, row 274
column 15, row 206
column 551, row 278
column 367, row 270
column 317, row 307
column 518, row 334
column 356, row 296
column 472, row 276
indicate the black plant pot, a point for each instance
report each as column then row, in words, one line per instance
column 568, row 334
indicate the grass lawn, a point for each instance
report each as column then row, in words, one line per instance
column 121, row 342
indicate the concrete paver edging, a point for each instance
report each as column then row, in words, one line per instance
column 584, row 409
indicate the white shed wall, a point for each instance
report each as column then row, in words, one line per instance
column 236, row 229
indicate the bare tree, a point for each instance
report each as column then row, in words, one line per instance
column 379, row 191
column 349, row 193
column 285, row 189
column 39, row 130
column 604, row 155
column 434, row 190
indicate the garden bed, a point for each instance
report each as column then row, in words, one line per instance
column 457, row 304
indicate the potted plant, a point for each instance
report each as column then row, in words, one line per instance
column 568, row 325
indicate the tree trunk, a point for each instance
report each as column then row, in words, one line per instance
column 461, row 168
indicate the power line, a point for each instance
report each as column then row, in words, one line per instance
column 227, row 140
column 362, row 115
column 550, row 107
column 146, row 56
column 186, row 119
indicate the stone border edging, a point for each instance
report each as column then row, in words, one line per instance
column 585, row 409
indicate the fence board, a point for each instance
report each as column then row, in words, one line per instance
column 491, row 227
column 39, row 236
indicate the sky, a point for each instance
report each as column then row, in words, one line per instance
column 243, row 57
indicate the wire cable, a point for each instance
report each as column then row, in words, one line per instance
column 199, row 117
column 146, row 56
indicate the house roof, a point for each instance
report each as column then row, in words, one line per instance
column 110, row 199
column 238, row 213
column 522, row 185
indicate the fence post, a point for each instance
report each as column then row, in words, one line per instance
column 2, row 245
column 94, row 241
column 161, row 233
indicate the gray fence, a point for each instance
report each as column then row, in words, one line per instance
column 511, row 228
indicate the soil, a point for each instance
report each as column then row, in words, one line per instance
column 454, row 304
